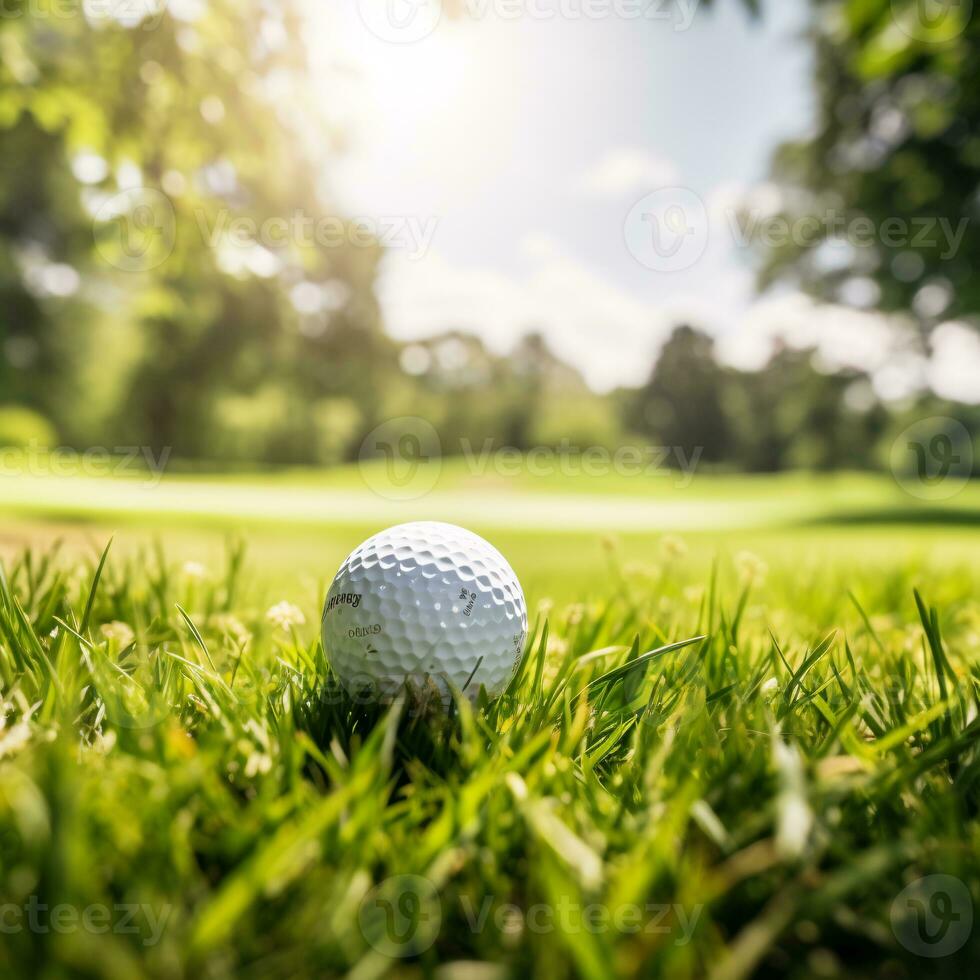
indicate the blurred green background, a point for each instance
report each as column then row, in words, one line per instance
column 140, row 147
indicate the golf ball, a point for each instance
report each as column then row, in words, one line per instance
column 425, row 600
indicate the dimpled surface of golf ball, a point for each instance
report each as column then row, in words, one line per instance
column 425, row 600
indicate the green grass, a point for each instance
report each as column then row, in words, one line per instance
column 457, row 491
column 555, row 529
column 752, row 802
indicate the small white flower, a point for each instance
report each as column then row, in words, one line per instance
column 195, row 571
column 104, row 741
column 122, row 633
column 283, row 615
column 694, row 594
column 751, row 568
column 257, row 762
column 12, row 740
column 794, row 817
column 795, row 823
column 770, row 687
column 232, row 627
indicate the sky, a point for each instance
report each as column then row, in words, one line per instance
column 521, row 155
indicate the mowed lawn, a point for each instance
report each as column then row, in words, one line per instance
column 566, row 536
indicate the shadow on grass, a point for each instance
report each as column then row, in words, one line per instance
column 923, row 516
column 425, row 732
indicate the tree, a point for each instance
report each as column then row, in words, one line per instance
column 680, row 406
column 898, row 113
column 136, row 302
column 789, row 415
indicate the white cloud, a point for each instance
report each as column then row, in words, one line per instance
column 590, row 322
column 760, row 199
column 842, row 337
column 612, row 335
column 885, row 346
column 626, row 170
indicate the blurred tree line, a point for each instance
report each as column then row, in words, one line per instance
column 134, row 309
column 786, row 415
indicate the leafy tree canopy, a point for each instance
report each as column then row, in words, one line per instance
column 896, row 145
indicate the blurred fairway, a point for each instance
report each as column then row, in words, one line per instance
column 565, row 535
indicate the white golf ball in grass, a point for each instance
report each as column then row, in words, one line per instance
column 425, row 602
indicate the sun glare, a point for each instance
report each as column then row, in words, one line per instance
column 439, row 115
